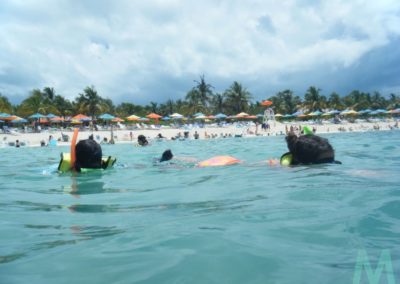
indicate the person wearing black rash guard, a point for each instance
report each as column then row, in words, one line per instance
column 308, row 149
column 88, row 155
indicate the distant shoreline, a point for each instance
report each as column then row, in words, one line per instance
column 123, row 136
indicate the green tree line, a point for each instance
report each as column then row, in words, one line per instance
column 201, row 98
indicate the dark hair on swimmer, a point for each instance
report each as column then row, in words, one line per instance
column 166, row 156
column 142, row 140
column 88, row 155
column 310, row 149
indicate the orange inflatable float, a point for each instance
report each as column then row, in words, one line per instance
column 219, row 161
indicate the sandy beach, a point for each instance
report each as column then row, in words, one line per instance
column 207, row 132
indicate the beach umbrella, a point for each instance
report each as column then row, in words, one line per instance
column 350, row 112
column 19, row 120
column 106, row 116
column 176, row 116
column 297, row 113
column 364, row 111
column 278, row 115
column 266, row 103
column 242, row 114
column 302, row 115
column 56, row 119
column 133, row 117
column 166, row 118
column 143, row 119
column 153, row 116
column 198, row 114
column 288, row 116
column 251, row 117
column 3, row 115
column 50, row 115
column 37, row 116
column 117, row 119
column 200, row 117
column 316, row 113
column 81, row 117
column 220, row 116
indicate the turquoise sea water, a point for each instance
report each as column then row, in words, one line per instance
column 249, row 223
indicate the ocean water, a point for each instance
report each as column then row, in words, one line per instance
column 249, row 223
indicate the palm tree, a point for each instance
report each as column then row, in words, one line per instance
column 153, row 107
column 49, row 94
column 313, row 100
column 90, row 102
column 204, row 91
column 34, row 103
column 238, row 98
column 5, row 105
column 218, row 103
column 63, row 106
column 394, row 101
column 335, row 101
column 193, row 101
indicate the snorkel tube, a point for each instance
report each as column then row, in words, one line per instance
column 73, row 144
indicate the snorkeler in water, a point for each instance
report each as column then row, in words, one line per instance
column 308, row 149
column 142, row 140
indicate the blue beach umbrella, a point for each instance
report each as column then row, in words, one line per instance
column 37, row 115
column 50, row 115
column 21, row 120
column 106, row 116
column 198, row 114
column 3, row 114
column 364, row 111
column 220, row 116
column 288, row 116
column 297, row 113
column 166, row 118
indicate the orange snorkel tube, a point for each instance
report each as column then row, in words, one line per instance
column 73, row 143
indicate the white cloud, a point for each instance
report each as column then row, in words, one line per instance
column 122, row 46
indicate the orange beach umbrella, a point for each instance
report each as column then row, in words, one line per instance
column 266, row 103
column 117, row 119
column 153, row 116
column 81, row 117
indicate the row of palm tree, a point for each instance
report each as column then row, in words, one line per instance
column 201, row 98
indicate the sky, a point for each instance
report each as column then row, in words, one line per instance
column 154, row 50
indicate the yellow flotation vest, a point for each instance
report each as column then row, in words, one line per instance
column 65, row 163
column 286, row 159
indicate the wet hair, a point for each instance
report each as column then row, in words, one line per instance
column 88, row 154
column 310, row 149
column 142, row 140
column 166, row 156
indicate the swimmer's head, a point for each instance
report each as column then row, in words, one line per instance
column 142, row 141
column 88, row 154
column 166, row 156
column 310, row 149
